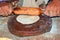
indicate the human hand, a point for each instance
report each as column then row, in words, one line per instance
column 53, row 9
column 5, row 9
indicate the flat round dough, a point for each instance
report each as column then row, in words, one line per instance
column 27, row 19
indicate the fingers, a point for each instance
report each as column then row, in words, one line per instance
column 52, row 10
column 5, row 10
column 47, row 11
column 1, row 13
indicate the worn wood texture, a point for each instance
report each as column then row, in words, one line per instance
column 43, row 25
column 54, row 34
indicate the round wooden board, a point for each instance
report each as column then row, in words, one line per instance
column 42, row 26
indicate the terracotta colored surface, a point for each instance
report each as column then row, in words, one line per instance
column 43, row 25
column 54, row 34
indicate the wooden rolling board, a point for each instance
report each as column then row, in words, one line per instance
column 4, row 32
column 41, row 26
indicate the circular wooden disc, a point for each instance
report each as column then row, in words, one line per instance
column 41, row 26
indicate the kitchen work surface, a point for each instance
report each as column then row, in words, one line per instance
column 41, row 26
column 54, row 34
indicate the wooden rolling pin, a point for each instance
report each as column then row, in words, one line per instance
column 27, row 10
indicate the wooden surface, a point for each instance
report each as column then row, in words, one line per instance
column 54, row 34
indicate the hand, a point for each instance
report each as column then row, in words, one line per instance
column 53, row 9
column 5, row 9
